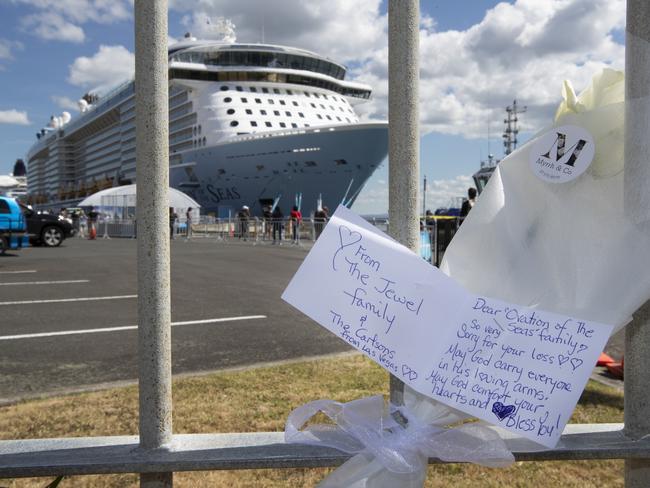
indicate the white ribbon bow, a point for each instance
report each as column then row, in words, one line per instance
column 367, row 427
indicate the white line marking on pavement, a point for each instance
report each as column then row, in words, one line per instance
column 18, row 272
column 62, row 282
column 59, row 300
column 127, row 327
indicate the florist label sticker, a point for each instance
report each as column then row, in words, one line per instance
column 516, row 367
column 562, row 154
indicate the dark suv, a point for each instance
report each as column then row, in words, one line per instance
column 48, row 230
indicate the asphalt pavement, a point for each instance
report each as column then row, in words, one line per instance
column 68, row 314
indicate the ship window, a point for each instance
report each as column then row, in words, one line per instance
column 307, row 94
column 347, row 120
column 325, row 97
column 310, row 163
column 307, row 125
column 313, row 105
column 332, row 107
column 289, row 92
column 239, row 88
column 275, row 112
column 224, row 88
column 194, row 130
column 295, row 104
column 316, row 95
column 204, row 140
column 263, row 112
column 257, row 100
column 230, row 111
column 275, row 90
column 271, row 102
column 288, row 114
column 253, row 89
column 244, row 100
column 338, row 118
column 268, row 124
column 265, row 90
column 339, row 162
column 328, row 117
column 249, row 111
column 234, row 123
column 227, row 99
column 322, row 106
column 301, row 115
column 294, row 125
column 319, row 116
column 199, row 128
column 282, row 102
column 282, row 124
column 253, row 123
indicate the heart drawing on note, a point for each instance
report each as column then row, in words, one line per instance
column 347, row 238
column 503, row 411
column 409, row 373
column 576, row 363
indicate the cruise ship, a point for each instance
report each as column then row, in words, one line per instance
column 249, row 124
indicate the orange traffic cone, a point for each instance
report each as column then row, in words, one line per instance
column 617, row 369
column 604, row 360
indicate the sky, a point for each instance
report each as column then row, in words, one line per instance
column 476, row 57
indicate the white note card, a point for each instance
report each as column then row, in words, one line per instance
column 516, row 367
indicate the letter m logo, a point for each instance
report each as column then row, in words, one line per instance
column 561, row 151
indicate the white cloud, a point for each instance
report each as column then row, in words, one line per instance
column 81, row 11
column 52, row 27
column 341, row 29
column 521, row 50
column 65, row 102
column 61, row 20
column 14, row 116
column 440, row 194
column 7, row 49
column 108, row 67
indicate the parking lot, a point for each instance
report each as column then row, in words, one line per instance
column 68, row 315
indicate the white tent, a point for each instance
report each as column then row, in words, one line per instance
column 121, row 201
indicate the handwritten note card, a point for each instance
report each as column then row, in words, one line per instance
column 517, row 367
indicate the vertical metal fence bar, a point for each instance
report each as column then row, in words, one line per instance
column 152, row 156
column 403, row 140
column 637, row 200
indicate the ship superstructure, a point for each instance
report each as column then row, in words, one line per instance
column 248, row 124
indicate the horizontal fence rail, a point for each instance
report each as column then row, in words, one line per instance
column 257, row 450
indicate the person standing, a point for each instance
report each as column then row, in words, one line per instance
column 319, row 221
column 296, row 218
column 469, row 203
column 244, row 215
column 173, row 217
column 267, row 218
column 188, row 220
column 277, row 217
column 92, row 223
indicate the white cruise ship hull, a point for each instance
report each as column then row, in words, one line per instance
column 332, row 163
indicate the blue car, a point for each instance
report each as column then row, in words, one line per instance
column 13, row 229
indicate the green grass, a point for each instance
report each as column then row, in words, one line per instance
column 260, row 400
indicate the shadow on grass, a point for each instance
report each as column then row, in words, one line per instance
column 603, row 397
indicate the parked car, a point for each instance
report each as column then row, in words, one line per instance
column 45, row 229
column 12, row 225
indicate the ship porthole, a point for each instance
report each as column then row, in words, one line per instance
column 227, row 99
column 224, row 88
column 231, row 111
column 234, row 123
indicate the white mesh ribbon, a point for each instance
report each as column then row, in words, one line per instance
column 388, row 454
